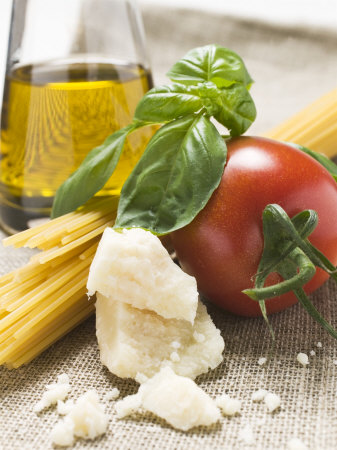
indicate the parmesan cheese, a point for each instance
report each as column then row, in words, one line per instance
column 229, row 406
column 86, row 419
column 272, row 401
column 133, row 267
column 296, row 444
column 174, row 398
column 135, row 341
column 303, row 359
column 54, row 392
column 259, row 395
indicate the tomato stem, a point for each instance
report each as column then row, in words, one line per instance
column 288, row 252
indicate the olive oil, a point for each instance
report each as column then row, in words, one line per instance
column 53, row 115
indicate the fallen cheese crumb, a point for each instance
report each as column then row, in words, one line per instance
column 112, row 395
column 135, row 341
column 63, row 433
column 259, row 395
column 312, row 353
column 262, row 361
column 178, row 400
column 133, row 267
column 174, row 398
column 174, row 357
column 229, row 406
column 86, row 419
column 141, row 378
column 129, row 405
column 319, row 345
column 246, row 435
column 175, row 344
column 64, row 408
column 296, row 444
column 272, row 401
column 54, row 392
column 303, row 359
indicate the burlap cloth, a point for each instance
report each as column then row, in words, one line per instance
column 291, row 68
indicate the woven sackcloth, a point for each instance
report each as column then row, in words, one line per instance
column 291, row 67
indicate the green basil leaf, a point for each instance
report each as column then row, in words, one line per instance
column 174, row 178
column 322, row 159
column 210, row 63
column 92, row 174
column 237, row 109
column 165, row 103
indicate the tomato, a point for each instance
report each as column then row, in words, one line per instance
column 222, row 246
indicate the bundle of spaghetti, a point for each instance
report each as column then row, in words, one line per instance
column 314, row 127
column 45, row 299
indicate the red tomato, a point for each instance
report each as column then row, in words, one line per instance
column 222, row 246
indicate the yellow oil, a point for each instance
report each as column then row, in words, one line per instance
column 53, row 115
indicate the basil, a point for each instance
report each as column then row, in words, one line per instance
column 184, row 161
column 163, row 193
column 92, row 174
column 210, row 63
column 166, row 103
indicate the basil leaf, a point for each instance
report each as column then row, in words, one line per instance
column 322, row 159
column 210, row 63
column 174, row 178
column 237, row 109
column 165, row 103
column 92, row 174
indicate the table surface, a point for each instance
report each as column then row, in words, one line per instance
column 290, row 69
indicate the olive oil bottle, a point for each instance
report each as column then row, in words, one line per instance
column 53, row 115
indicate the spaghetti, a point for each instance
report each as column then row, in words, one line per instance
column 45, row 299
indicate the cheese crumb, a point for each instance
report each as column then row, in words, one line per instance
column 64, row 408
column 129, row 405
column 63, row 433
column 272, row 401
column 141, row 378
column 262, row 361
column 112, row 395
column 296, row 444
column 199, row 337
column 229, row 406
column 319, row 345
column 133, row 340
column 175, row 344
column 86, row 419
column 246, row 435
column 178, row 400
column 174, row 398
column 174, row 357
column 312, row 353
column 133, row 267
column 259, row 395
column 303, row 359
column 54, row 392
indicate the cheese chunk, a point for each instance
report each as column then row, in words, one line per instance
column 134, row 341
column 85, row 419
column 133, row 267
column 176, row 399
